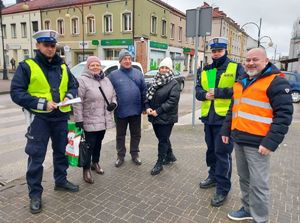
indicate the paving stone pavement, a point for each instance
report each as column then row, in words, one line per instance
column 131, row 194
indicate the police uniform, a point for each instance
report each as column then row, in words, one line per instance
column 220, row 76
column 36, row 82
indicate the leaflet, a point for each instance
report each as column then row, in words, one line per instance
column 69, row 102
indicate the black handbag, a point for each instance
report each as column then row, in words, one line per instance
column 84, row 152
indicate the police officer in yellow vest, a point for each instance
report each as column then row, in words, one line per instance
column 214, row 89
column 37, row 86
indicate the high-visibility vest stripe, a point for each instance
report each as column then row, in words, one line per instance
column 255, row 103
column 252, row 117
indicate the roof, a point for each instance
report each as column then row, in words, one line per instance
column 48, row 4
column 45, row 4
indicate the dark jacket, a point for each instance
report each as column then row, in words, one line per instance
column 52, row 71
column 279, row 93
column 130, row 88
column 212, row 118
column 165, row 102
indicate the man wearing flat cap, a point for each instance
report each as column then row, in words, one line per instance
column 214, row 89
column 130, row 88
column 38, row 85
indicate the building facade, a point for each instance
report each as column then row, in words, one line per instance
column 294, row 51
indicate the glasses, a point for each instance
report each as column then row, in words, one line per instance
column 51, row 45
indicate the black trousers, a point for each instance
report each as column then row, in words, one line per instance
column 38, row 134
column 163, row 133
column 134, row 123
column 218, row 158
column 94, row 139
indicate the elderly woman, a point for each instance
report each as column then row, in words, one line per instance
column 162, row 109
column 94, row 115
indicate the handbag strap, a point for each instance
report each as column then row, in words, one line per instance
column 104, row 96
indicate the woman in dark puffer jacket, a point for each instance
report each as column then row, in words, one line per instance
column 162, row 109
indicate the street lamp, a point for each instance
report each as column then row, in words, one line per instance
column 5, row 77
column 258, row 27
column 82, row 24
column 25, row 7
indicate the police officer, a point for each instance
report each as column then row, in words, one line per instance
column 214, row 89
column 37, row 86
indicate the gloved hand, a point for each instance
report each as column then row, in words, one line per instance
column 112, row 106
column 79, row 125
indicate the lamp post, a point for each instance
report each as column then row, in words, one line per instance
column 5, row 77
column 258, row 27
column 82, row 25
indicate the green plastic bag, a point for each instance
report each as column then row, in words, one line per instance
column 72, row 148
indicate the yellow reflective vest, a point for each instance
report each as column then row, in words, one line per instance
column 227, row 80
column 39, row 85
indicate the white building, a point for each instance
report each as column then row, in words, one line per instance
column 295, row 47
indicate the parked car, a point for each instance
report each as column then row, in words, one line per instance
column 107, row 66
column 294, row 80
column 177, row 75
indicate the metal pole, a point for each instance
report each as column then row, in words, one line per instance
column 259, row 28
column 82, row 21
column 196, row 63
column 5, row 77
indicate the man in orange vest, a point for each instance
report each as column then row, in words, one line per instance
column 257, row 122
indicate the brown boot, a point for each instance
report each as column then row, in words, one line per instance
column 87, row 176
column 97, row 168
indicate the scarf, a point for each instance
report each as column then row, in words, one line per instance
column 159, row 81
column 99, row 76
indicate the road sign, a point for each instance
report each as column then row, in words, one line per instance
column 204, row 22
column 131, row 49
column 66, row 48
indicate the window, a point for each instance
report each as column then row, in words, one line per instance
column 91, row 26
column 153, row 24
column 107, row 23
column 47, row 24
column 26, row 54
column 111, row 69
column 180, row 34
column 164, row 27
column 74, row 26
column 4, row 31
column 172, row 31
column 35, row 26
column 13, row 30
column 23, row 29
column 60, row 26
column 126, row 21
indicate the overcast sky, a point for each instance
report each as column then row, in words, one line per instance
column 278, row 17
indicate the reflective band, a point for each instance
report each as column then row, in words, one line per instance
column 256, row 103
column 40, row 106
column 42, row 100
column 236, row 101
column 252, row 117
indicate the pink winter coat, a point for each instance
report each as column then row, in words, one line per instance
column 92, row 110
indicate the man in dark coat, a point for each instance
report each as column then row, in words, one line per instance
column 38, row 85
column 257, row 122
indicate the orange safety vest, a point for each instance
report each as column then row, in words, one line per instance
column 251, row 111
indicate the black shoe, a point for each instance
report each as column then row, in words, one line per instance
column 70, row 187
column 119, row 162
column 207, row 183
column 169, row 159
column 137, row 161
column 218, row 200
column 35, row 205
column 157, row 168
